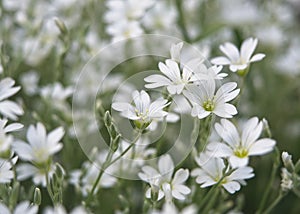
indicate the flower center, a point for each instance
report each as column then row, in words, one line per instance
column 241, row 152
column 142, row 115
column 208, row 105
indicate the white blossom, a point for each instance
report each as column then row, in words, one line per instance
column 9, row 108
column 163, row 181
column 238, row 60
column 205, row 101
column 143, row 111
column 21, row 208
column 238, row 147
column 41, row 145
column 213, row 169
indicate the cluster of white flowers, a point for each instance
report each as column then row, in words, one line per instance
column 44, row 45
column 123, row 17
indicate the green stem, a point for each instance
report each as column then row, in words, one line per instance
column 275, row 202
column 211, row 193
column 271, row 181
column 127, row 149
column 49, row 189
column 108, row 163
column 181, row 21
column 204, row 132
column 211, row 201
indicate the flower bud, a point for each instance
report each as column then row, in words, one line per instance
column 61, row 25
column 107, row 119
column 287, row 161
column 37, row 196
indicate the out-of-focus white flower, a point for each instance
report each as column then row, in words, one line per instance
column 169, row 208
column 239, row 12
column 213, row 169
column 238, row 60
column 25, row 171
column 143, row 111
column 124, row 30
column 163, row 182
column 271, row 35
column 155, row 18
column 35, row 49
column 6, row 140
column 9, row 108
column 29, row 81
column 203, row 73
column 41, row 145
column 6, row 173
column 56, row 94
column 84, row 179
column 205, row 101
column 286, row 180
column 289, row 62
column 128, row 10
column 21, row 208
column 59, row 209
column 238, row 147
column 175, row 51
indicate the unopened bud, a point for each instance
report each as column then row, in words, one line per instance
column 59, row 171
column 287, row 161
column 115, row 143
column 107, row 119
column 113, row 132
column 37, row 196
column 61, row 25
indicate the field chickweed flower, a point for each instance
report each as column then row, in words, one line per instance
column 6, row 140
column 205, row 101
column 22, row 207
column 143, row 111
column 238, row 60
column 6, row 173
column 238, row 147
column 212, row 170
column 41, row 146
column 173, row 79
column 9, row 108
column 162, row 183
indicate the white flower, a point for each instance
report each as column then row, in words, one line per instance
column 9, row 108
column 56, row 94
column 204, row 73
column 6, row 140
column 170, row 208
column 238, row 147
column 213, row 169
column 175, row 51
column 124, row 30
column 163, row 183
column 84, row 179
column 143, row 111
column 21, row 208
column 126, row 10
column 6, row 173
column 38, row 175
column 205, row 101
column 174, row 79
column 41, row 146
column 155, row 18
column 238, row 60
column 59, row 209
column 29, row 82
